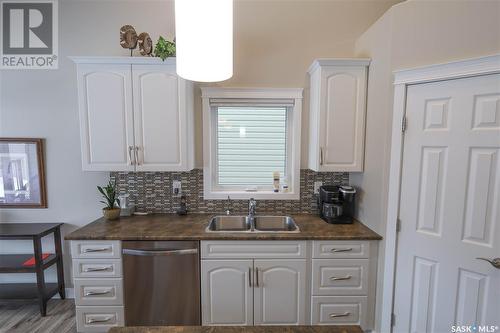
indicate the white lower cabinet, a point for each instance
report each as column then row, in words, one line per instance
column 341, row 310
column 343, row 281
column 226, row 292
column 98, row 281
column 340, row 276
column 245, row 283
column 98, row 292
column 253, row 291
column 98, row 318
column 280, row 292
column 288, row 282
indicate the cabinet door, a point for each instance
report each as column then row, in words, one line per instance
column 226, row 292
column 280, row 292
column 160, row 122
column 106, row 117
column 342, row 118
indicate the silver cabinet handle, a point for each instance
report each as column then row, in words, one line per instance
column 257, row 276
column 337, row 315
column 96, row 293
column 130, row 149
column 98, row 249
column 334, row 250
column 321, row 156
column 95, row 320
column 340, row 278
column 494, row 262
column 249, row 276
column 137, row 161
column 97, row 269
column 134, row 252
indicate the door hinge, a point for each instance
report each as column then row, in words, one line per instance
column 398, row 225
column 393, row 319
column 404, row 123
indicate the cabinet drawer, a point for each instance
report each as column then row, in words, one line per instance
column 98, row 318
column 341, row 249
column 90, row 268
column 98, row 292
column 340, row 277
column 95, row 249
column 253, row 249
column 341, row 310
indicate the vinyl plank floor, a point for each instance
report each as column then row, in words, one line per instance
column 24, row 317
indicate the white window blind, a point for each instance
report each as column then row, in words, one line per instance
column 251, row 143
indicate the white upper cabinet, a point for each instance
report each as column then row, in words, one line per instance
column 161, row 122
column 337, row 114
column 106, row 117
column 136, row 114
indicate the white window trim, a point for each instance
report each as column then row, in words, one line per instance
column 209, row 140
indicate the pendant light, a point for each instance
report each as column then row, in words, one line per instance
column 204, row 39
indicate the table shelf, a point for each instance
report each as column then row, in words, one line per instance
column 13, row 263
column 10, row 291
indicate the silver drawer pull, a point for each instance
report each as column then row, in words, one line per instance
column 96, row 320
column 97, row 269
column 337, row 315
column 340, row 278
column 334, row 250
column 96, row 293
column 99, row 249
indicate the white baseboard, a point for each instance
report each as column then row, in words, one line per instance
column 70, row 294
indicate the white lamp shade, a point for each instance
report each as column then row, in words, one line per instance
column 204, row 39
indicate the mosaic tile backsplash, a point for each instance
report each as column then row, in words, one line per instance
column 152, row 192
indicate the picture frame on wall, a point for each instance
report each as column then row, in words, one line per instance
column 22, row 173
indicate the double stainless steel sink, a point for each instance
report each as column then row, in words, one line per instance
column 239, row 223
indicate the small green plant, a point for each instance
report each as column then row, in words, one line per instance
column 164, row 48
column 109, row 194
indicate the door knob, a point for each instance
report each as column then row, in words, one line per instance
column 494, row 262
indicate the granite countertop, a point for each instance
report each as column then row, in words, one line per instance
column 238, row 329
column 192, row 227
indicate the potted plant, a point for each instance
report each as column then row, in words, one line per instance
column 112, row 209
column 164, row 48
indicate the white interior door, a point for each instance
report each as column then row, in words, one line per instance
column 280, row 292
column 159, row 124
column 226, row 292
column 449, row 208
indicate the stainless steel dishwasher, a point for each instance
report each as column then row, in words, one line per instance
column 161, row 283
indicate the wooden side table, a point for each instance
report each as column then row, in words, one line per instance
column 13, row 263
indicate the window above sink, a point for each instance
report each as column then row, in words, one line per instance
column 251, row 145
column 249, row 134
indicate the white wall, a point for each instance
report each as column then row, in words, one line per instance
column 275, row 41
column 410, row 34
column 42, row 103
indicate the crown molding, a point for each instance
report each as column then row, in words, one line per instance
column 122, row 60
column 338, row 62
column 450, row 70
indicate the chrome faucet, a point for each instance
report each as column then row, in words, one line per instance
column 252, row 206
column 228, row 206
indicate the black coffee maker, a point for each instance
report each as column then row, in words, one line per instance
column 336, row 203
